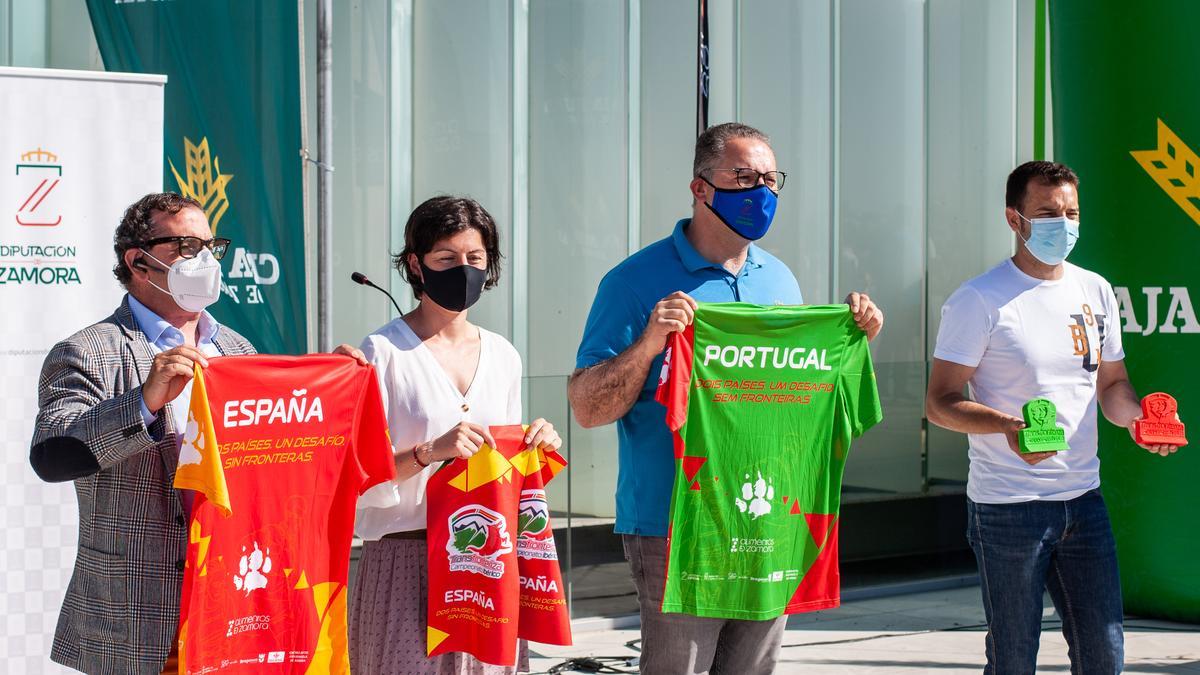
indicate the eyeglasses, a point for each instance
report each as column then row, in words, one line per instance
column 748, row 178
column 190, row 247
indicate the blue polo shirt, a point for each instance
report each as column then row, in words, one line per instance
column 623, row 303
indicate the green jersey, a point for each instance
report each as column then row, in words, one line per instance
column 764, row 402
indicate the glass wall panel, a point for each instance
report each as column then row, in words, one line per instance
column 462, row 120
column 784, row 80
column 578, row 212
column 26, row 44
column 360, row 158
column 972, row 114
column 668, row 114
column 70, row 42
column 579, row 165
column 881, row 226
column 48, row 34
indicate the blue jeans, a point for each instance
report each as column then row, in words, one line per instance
column 1066, row 548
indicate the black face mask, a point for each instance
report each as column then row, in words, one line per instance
column 454, row 289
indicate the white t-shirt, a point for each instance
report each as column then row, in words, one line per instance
column 421, row 404
column 1029, row 338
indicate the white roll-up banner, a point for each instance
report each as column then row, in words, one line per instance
column 76, row 148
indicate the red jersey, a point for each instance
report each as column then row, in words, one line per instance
column 493, row 567
column 279, row 448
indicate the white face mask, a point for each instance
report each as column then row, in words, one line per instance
column 194, row 283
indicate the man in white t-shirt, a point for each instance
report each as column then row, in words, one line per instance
column 1035, row 326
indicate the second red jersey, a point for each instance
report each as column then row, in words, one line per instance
column 279, row 448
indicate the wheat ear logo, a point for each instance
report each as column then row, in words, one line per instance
column 205, row 183
column 1173, row 166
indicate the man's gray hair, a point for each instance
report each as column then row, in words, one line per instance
column 711, row 144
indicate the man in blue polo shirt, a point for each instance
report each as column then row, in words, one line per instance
column 708, row 258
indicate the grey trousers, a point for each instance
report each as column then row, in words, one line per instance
column 681, row 644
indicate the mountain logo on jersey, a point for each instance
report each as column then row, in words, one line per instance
column 535, row 539
column 533, row 515
column 478, row 537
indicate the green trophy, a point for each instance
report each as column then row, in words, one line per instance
column 1041, row 434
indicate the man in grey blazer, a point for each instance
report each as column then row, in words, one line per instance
column 112, row 403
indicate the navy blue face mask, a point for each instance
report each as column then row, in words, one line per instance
column 746, row 211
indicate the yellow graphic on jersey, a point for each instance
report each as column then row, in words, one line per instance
column 490, row 464
column 332, row 654
column 482, row 468
column 433, row 638
column 199, row 458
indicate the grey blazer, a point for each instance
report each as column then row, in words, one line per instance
column 121, row 609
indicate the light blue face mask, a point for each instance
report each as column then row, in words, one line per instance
column 1051, row 239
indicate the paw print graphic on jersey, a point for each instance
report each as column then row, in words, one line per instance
column 756, row 496
column 253, row 569
column 193, row 442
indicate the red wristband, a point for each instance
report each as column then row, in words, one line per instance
column 417, row 458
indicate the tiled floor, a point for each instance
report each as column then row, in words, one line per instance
column 932, row 632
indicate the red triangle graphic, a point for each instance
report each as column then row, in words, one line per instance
column 795, row 508
column 820, row 588
column 695, row 486
column 820, row 525
column 691, row 466
column 679, row 445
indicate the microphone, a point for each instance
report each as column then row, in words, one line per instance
column 360, row 278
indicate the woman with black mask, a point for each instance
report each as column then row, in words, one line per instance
column 444, row 382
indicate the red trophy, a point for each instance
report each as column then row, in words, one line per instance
column 1160, row 423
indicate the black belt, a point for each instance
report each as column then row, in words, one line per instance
column 408, row 534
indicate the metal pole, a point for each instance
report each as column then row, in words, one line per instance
column 324, row 180
column 310, row 289
column 702, row 68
